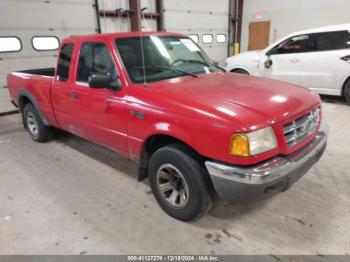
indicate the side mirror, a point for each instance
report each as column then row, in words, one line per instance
column 104, row 81
column 268, row 63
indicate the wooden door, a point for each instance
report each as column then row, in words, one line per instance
column 259, row 34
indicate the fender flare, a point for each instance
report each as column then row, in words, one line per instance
column 24, row 93
column 168, row 129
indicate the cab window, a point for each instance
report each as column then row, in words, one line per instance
column 95, row 58
column 64, row 62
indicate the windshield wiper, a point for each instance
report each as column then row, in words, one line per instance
column 166, row 68
column 203, row 63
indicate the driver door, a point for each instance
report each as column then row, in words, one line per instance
column 287, row 59
column 98, row 114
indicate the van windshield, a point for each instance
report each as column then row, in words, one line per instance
column 165, row 57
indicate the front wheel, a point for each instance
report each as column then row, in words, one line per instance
column 180, row 183
column 347, row 92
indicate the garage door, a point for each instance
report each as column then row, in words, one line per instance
column 23, row 20
column 206, row 23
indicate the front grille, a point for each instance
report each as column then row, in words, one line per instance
column 298, row 130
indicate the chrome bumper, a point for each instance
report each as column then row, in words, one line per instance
column 273, row 169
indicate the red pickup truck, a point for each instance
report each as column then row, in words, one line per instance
column 195, row 131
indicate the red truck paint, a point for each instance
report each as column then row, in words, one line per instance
column 202, row 112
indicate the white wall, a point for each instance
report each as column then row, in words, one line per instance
column 120, row 24
column 200, row 17
column 25, row 19
column 289, row 16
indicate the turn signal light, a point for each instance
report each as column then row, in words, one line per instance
column 239, row 145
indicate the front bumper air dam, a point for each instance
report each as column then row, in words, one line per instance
column 250, row 184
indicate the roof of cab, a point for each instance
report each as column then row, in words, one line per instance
column 116, row 35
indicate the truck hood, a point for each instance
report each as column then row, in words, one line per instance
column 255, row 101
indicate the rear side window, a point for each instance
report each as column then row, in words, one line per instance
column 64, row 62
column 331, row 41
column 10, row 44
column 95, row 58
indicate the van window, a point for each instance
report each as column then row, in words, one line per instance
column 10, row 44
column 296, row 44
column 331, row 41
column 64, row 62
column 45, row 43
column 95, row 58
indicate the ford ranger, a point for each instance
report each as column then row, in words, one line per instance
column 195, row 131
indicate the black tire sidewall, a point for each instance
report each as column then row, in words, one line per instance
column 41, row 132
column 347, row 92
column 199, row 195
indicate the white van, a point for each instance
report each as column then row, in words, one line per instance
column 318, row 59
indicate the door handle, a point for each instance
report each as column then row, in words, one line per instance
column 73, row 95
column 138, row 114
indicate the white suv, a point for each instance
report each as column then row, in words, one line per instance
column 318, row 59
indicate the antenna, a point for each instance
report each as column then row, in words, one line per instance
column 143, row 56
column 120, row 20
column 146, row 25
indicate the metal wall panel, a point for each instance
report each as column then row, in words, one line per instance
column 200, row 17
column 120, row 24
column 25, row 19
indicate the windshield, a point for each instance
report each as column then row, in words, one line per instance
column 165, row 57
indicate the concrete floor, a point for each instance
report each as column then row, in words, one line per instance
column 5, row 101
column 70, row 196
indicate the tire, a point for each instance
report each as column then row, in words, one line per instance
column 240, row 71
column 346, row 92
column 195, row 193
column 35, row 126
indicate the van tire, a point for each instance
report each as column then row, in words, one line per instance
column 187, row 171
column 35, row 126
column 346, row 91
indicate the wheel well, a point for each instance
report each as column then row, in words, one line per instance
column 155, row 142
column 239, row 69
column 22, row 101
column 343, row 88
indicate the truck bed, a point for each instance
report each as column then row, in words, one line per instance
column 36, row 82
column 50, row 71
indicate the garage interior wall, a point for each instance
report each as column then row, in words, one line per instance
column 182, row 16
column 205, row 18
column 119, row 23
column 25, row 19
column 290, row 16
column 63, row 18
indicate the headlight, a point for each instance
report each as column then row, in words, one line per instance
column 253, row 143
